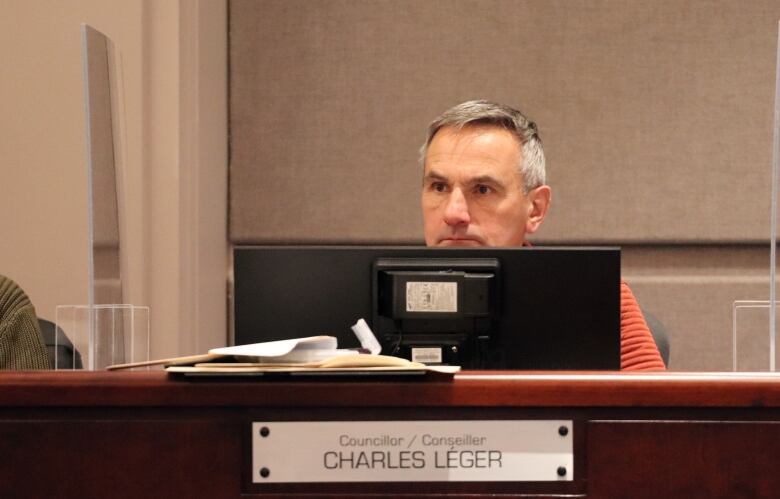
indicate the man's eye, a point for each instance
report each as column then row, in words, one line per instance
column 439, row 186
column 484, row 189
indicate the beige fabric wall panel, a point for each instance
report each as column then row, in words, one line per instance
column 656, row 115
column 692, row 290
column 698, row 315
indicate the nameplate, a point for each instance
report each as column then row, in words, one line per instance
column 412, row 451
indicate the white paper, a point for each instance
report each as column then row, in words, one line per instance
column 294, row 350
column 308, row 349
column 366, row 337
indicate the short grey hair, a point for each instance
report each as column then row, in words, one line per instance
column 486, row 113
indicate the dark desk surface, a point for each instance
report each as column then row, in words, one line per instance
column 475, row 389
column 133, row 434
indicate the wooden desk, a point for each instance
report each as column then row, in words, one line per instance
column 101, row 434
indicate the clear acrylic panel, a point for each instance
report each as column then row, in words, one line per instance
column 104, row 335
column 772, row 319
column 754, row 322
column 751, row 339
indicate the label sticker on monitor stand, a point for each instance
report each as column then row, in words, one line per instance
column 412, row 451
column 427, row 355
column 431, row 296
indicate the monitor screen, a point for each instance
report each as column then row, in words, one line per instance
column 482, row 308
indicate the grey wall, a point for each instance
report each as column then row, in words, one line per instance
column 656, row 118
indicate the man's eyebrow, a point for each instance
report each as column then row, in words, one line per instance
column 434, row 175
column 484, row 179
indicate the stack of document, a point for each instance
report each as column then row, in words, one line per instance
column 313, row 354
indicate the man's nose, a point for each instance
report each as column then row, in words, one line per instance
column 457, row 210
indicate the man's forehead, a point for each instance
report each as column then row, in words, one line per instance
column 487, row 142
column 471, row 153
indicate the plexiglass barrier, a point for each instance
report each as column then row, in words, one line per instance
column 772, row 320
column 751, row 339
column 754, row 322
column 102, row 335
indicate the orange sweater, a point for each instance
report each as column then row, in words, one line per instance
column 638, row 351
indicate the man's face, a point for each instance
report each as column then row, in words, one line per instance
column 473, row 192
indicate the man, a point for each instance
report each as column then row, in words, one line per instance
column 484, row 185
column 21, row 343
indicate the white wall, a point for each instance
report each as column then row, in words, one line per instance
column 175, row 154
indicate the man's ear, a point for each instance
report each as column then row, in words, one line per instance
column 538, row 203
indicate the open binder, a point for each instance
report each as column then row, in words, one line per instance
column 313, row 355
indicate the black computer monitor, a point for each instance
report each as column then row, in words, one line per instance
column 513, row 308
